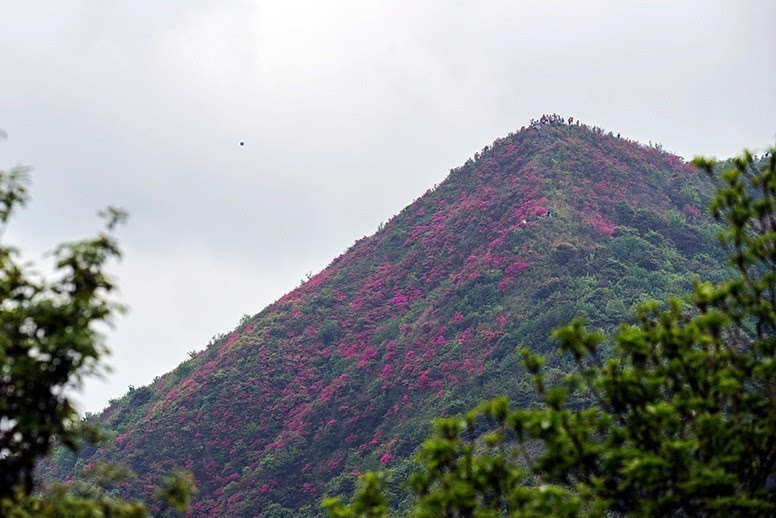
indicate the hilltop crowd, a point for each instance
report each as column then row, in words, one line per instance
column 552, row 118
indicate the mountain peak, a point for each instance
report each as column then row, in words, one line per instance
column 421, row 319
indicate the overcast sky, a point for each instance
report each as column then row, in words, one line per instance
column 348, row 111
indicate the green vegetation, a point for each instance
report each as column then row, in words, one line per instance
column 680, row 420
column 48, row 343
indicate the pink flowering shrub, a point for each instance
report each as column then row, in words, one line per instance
column 601, row 225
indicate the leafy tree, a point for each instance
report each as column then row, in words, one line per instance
column 175, row 494
column 49, row 340
column 681, row 420
column 90, row 496
column 369, row 501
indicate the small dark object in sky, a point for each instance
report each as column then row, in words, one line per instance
column 242, row 143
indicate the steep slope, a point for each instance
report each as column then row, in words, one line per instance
column 344, row 373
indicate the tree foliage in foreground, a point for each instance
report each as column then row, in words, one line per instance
column 49, row 340
column 681, row 420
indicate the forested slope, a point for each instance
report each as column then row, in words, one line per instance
column 421, row 319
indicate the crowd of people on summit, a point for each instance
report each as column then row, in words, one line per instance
column 552, row 118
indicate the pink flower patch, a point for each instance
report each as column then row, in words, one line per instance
column 386, row 372
column 400, row 301
column 601, row 225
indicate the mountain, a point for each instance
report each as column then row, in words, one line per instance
column 421, row 319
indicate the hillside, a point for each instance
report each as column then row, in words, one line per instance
column 421, row 319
